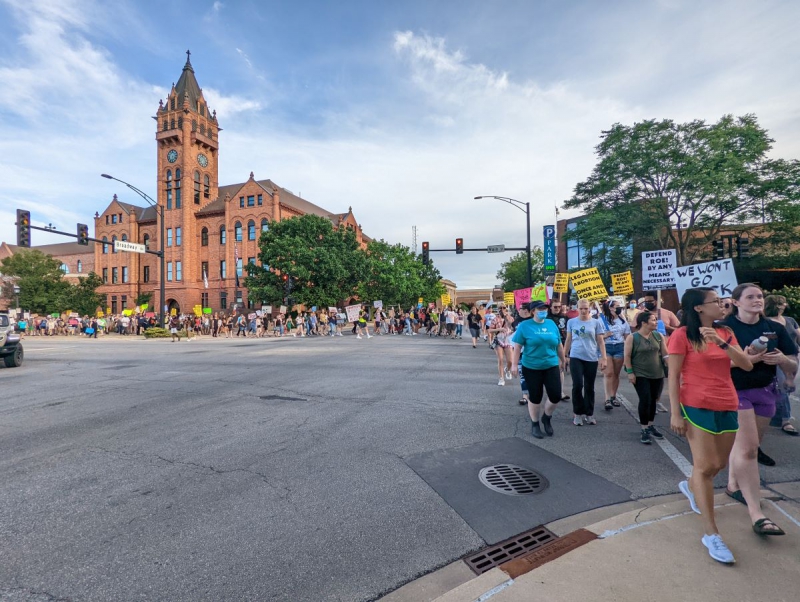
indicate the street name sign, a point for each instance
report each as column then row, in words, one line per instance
column 132, row 247
column 496, row 248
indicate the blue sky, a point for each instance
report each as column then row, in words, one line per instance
column 403, row 110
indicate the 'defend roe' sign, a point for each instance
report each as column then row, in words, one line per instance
column 657, row 269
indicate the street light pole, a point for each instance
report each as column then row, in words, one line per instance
column 527, row 210
column 160, row 212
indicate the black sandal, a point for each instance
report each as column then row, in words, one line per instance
column 523, row 402
column 758, row 527
column 608, row 405
column 614, row 402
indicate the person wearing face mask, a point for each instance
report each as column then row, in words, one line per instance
column 667, row 320
column 558, row 314
column 584, row 344
column 631, row 311
column 539, row 354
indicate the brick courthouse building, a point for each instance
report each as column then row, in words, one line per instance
column 206, row 223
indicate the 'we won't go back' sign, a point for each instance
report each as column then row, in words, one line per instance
column 718, row 275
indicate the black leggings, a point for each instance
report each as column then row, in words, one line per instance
column 583, row 375
column 649, row 392
column 537, row 381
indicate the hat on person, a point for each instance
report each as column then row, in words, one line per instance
column 537, row 304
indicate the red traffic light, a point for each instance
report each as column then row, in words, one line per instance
column 285, row 277
column 459, row 245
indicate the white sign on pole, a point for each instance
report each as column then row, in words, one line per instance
column 377, row 304
column 131, row 247
column 657, row 269
column 352, row 312
column 718, row 275
column 333, row 310
column 495, row 248
column 267, row 309
column 282, row 309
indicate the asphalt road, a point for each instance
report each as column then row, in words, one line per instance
column 263, row 469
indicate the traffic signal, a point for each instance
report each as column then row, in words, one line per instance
column 23, row 228
column 459, row 246
column 719, row 249
column 743, row 247
column 83, row 234
column 426, row 253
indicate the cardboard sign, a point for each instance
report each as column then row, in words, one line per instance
column 259, row 313
column 561, row 283
column 173, row 312
column 267, row 309
column 718, row 275
column 352, row 312
column 333, row 310
column 622, row 283
column 539, row 292
column 522, row 296
column 282, row 309
column 657, row 269
column 446, row 299
column 508, row 298
column 126, row 312
column 251, row 316
column 377, row 304
column 100, row 314
column 588, row 284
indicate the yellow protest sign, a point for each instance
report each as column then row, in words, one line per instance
column 446, row 299
column 421, row 300
column 100, row 313
column 561, row 283
column 588, row 284
column 198, row 310
column 508, row 298
column 108, row 310
column 539, row 292
column 126, row 312
column 173, row 312
column 143, row 306
column 622, row 283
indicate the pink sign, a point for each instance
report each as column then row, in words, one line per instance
column 522, row 296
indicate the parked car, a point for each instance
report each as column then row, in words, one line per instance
column 10, row 345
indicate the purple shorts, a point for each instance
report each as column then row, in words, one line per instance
column 762, row 400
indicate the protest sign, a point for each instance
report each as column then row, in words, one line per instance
column 561, row 283
column 100, row 314
column 718, row 275
column 259, row 313
column 539, row 292
column 198, row 310
column 445, row 299
column 522, row 296
column 352, row 312
column 420, row 300
column 622, row 283
column 377, row 304
column 173, row 312
column 126, row 312
column 206, row 310
column 508, row 298
column 588, row 284
column 282, row 309
column 332, row 310
column 267, row 309
column 251, row 316
column 657, row 270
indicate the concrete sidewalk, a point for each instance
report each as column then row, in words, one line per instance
column 644, row 550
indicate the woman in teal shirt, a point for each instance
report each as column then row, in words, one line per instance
column 538, row 352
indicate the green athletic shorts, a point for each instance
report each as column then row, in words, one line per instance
column 710, row 421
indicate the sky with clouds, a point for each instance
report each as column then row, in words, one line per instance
column 403, row 110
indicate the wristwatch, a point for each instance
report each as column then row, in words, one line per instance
column 726, row 344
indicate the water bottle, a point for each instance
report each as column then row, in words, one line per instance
column 760, row 344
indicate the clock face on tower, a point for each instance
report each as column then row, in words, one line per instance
column 202, row 160
column 172, row 156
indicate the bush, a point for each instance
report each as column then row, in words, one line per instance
column 160, row 333
column 792, row 294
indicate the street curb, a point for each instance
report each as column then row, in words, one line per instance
column 455, row 582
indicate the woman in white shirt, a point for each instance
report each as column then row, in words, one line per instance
column 617, row 330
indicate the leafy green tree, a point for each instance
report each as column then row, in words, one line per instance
column 395, row 275
column 83, row 297
column 40, row 279
column 677, row 185
column 513, row 273
column 324, row 264
column 143, row 298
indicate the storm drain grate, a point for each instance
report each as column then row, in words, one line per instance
column 512, row 548
column 512, row 480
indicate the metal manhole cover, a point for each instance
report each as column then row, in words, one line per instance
column 513, row 480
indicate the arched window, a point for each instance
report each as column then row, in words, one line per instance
column 124, row 237
column 65, row 268
column 197, row 188
column 113, row 240
column 105, row 246
column 251, row 230
column 237, row 232
column 203, row 128
column 80, row 266
column 206, row 186
column 204, row 237
column 177, row 189
column 172, row 103
column 264, row 224
column 166, row 125
column 146, row 241
column 169, row 189
column 223, row 235
column 172, row 121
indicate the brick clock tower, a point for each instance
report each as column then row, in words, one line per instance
column 187, row 140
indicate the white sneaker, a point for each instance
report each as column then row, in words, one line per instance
column 589, row 420
column 508, row 375
column 369, row 336
column 684, row 487
column 358, row 336
column 339, row 334
column 717, row 548
column 501, row 382
column 577, row 421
